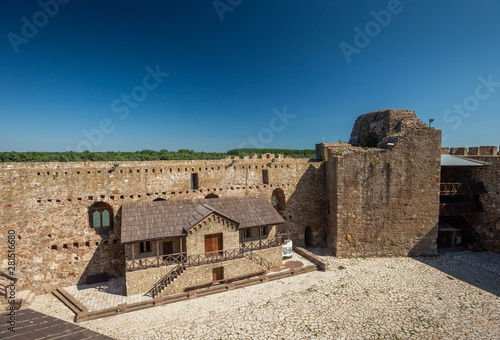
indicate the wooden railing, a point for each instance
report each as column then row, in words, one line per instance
column 4, row 286
column 214, row 257
column 205, row 258
column 166, row 280
column 202, row 259
column 459, row 209
column 259, row 260
column 263, row 244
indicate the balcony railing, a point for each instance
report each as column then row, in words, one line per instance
column 462, row 188
column 459, row 209
column 206, row 258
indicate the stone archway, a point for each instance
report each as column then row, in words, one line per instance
column 211, row 196
column 278, row 200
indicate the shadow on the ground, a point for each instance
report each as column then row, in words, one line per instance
column 115, row 286
column 478, row 269
column 320, row 251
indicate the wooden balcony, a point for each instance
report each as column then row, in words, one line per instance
column 448, row 189
column 205, row 258
column 460, row 209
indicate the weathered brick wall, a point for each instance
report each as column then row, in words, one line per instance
column 386, row 202
column 214, row 224
column 47, row 205
column 141, row 281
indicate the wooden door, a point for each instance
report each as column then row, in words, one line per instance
column 168, row 248
column 218, row 273
column 213, row 243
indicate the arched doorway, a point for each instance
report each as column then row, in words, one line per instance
column 308, row 236
column 211, row 196
column 278, row 200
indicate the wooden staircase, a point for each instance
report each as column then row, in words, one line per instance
column 260, row 261
column 5, row 281
column 166, row 280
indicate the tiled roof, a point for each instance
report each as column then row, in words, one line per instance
column 160, row 219
column 200, row 213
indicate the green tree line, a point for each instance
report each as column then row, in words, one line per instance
column 144, row 155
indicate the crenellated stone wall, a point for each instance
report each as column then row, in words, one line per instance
column 47, row 205
column 385, row 201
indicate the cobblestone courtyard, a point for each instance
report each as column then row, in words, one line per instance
column 454, row 296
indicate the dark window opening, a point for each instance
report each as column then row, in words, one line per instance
column 145, row 247
column 265, row 177
column 194, row 181
column 211, row 196
column 308, row 237
column 247, row 233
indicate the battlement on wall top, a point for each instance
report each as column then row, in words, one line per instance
column 221, row 163
column 471, row 151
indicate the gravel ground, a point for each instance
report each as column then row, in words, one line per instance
column 454, row 296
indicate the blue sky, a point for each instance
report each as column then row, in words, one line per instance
column 273, row 74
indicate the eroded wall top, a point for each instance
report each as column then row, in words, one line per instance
column 377, row 129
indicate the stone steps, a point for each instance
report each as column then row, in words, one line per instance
column 27, row 297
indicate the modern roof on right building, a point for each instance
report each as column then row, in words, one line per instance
column 449, row 160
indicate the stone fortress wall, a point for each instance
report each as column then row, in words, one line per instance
column 47, row 205
column 383, row 195
column 378, row 195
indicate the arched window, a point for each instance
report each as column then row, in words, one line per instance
column 211, row 196
column 278, row 200
column 101, row 215
column 159, row 199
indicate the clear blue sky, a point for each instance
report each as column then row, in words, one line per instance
column 231, row 68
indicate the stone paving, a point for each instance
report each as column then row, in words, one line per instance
column 104, row 295
column 109, row 294
column 454, row 296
